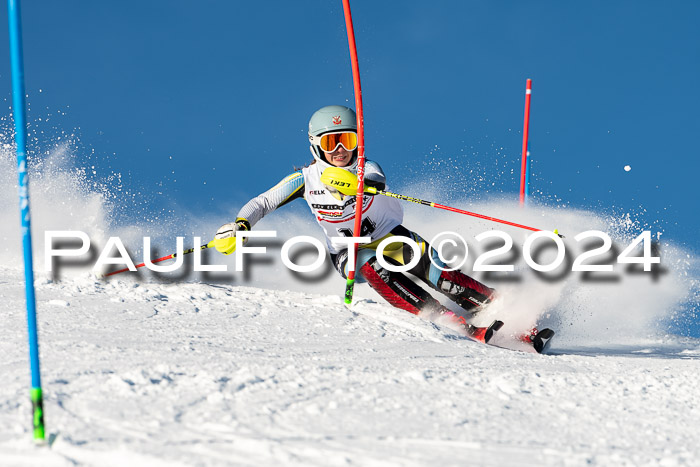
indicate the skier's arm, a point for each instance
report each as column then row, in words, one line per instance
column 287, row 190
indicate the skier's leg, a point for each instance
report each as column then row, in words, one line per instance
column 402, row 292
column 399, row 290
column 467, row 292
column 394, row 287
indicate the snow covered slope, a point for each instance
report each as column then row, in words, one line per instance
column 149, row 373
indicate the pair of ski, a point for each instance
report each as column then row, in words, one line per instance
column 538, row 339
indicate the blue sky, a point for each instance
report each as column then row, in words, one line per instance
column 208, row 102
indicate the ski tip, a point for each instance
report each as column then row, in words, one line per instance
column 542, row 340
column 495, row 326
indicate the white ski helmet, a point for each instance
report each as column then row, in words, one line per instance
column 330, row 119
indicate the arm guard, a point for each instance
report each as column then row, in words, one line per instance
column 374, row 176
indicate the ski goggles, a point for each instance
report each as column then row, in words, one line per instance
column 330, row 141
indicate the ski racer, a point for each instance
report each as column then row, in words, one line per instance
column 333, row 138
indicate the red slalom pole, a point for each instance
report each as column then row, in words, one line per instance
column 526, row 130
column 350, row 285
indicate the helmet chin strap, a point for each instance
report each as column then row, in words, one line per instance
column 318, row 158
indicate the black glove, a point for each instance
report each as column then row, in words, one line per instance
column 378, row 184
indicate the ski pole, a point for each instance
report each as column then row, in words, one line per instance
column 171, row 256
column 447, row 208
column 346, row 183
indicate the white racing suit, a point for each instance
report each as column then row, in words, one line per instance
column 381, row 217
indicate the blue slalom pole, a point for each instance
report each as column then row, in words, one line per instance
column 20, row 118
